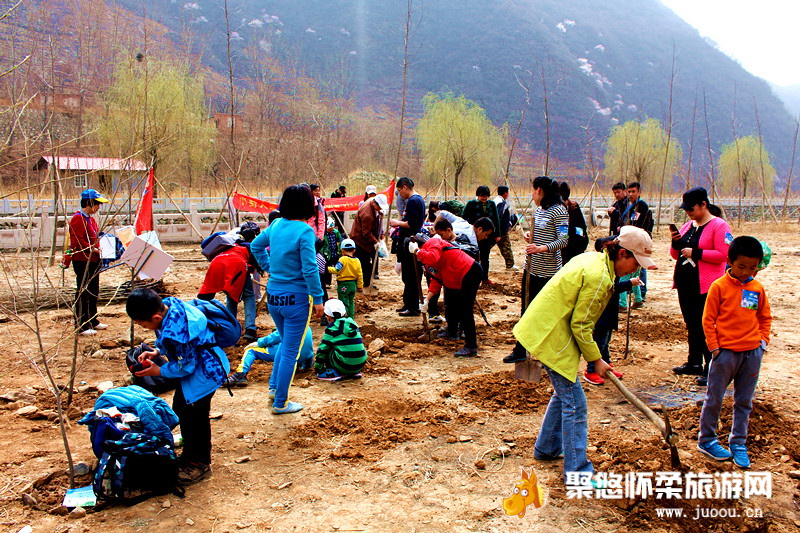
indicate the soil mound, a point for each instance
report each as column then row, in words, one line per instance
column 502, row 390
column 363, row 428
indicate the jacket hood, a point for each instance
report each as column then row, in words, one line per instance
column 344, row 326
column 192, row 321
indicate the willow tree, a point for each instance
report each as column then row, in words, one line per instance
column 744, row 166
column 458, row 140
column 156, row 112
column 641, row 151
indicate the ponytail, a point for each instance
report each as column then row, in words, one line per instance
column 552, row 191
column 715, row 210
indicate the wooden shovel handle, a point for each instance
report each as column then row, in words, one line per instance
column 669, row 436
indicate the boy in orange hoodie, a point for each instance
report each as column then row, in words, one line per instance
column 736, row 321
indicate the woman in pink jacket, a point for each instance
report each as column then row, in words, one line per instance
column 701, row 251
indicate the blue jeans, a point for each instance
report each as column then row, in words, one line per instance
column 291, row 313
column 602, row 337
column 742, row 368
column 565, row 427
column 249, row 299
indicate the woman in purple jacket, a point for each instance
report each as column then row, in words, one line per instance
column 701, row 251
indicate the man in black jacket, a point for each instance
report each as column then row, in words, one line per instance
column 618, row 207
column 409, row 225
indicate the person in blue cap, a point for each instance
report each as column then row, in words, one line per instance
column 85, row 246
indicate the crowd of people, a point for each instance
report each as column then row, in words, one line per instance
column 570, row 299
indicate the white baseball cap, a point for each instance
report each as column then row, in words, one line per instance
column 638, row 242
column 371, row 189
column 348, row 244
column 382, row 202
column 334, row 306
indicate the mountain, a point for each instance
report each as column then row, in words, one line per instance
column 790, row 95
column 603, row 62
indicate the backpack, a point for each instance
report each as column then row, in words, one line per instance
column 154, row 384
column 216, row 243
column 462, row 243
column 135, row 467
column 221, row 322
column 454, row 206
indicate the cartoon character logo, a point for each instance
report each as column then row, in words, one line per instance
column 526, row 492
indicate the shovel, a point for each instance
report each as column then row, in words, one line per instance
column 427, row 334
column 664, row 426
column 372, row 289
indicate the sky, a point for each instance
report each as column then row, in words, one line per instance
column 763, row 35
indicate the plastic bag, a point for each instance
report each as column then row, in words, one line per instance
column 398, row 268
column 382, row 250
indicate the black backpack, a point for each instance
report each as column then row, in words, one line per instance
column 462, row 243
column 155, row 384
column 135, row 467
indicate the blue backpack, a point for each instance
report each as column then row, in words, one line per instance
column 226, row 328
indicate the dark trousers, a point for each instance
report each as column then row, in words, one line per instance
column 87, row 281
column 485, row 247
column 460, row 303
column 692, row 304
column 408, row 274
column 365, row 257
column 535, row 285
column 195, row 427
column 602, row 336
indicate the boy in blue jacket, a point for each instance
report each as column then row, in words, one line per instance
column 183, row 338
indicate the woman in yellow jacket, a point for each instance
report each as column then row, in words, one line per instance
column 557, row 328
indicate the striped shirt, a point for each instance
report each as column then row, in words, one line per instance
column 341, row 348
column 550, row 228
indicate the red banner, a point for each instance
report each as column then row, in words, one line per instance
column 144, row 211
column 253, row 205
column 350, row 203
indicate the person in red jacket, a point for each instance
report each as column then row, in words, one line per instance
column 227, row 273
column 461, row 275
column 85, row 245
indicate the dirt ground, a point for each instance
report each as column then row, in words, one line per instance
column 424, row 441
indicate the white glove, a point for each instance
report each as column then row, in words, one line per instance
column 398, row 268
column 413, row 247
column 378, row 245
column 424, row 307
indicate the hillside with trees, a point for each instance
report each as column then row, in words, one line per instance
column 603, row 63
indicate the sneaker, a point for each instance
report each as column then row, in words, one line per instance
column 271, row 394
column 593, row 378
column 512, row 267
column 193, row 472
column 350, row 376
column 702, row 381
column 437, row 319
column 376, row 276
column 688, row 370
column 290, row 407
column 488, row 282
column 444, row 335
column 89, row 332
column 250, row 335
column 408, row 312
column 541, row 456
column 466, row 352
column 514, row 357
column 237, row 379
column 329, row 375
column 740, row 457
column 715, row 450
column 637, row 305
column 617, row 373
column 623, row 309
column 100, row 325
column 401, row 310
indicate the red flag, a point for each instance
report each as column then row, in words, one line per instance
column 144, row 212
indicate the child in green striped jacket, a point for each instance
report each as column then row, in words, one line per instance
column 341, row 353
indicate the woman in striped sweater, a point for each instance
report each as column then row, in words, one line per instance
column 548, row 237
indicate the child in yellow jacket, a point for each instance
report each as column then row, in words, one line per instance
column 349, row 278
